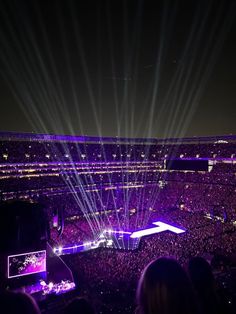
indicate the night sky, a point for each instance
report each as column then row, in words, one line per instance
column 118, row 68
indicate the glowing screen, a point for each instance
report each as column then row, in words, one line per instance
column 26, row 263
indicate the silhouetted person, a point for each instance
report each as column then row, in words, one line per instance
column 17, row 302
column 201, row 275
column 79, row 306
column 164, row 288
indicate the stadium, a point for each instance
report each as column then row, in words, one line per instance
column 117, row 157
column 111, row 206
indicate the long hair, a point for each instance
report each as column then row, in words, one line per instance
column 203, row 280
column 164, row 288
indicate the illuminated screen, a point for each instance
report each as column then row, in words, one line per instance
column 26, row 263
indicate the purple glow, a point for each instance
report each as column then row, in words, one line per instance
column 59, row 250
column 161, row 227
column 78, row 248
column 105, row 238
column 117, row 231
column 115, row 140
column 26, row 263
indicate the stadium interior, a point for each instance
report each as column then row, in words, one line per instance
column 84, row 215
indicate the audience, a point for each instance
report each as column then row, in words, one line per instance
column 94, row 184
column 17, row 302
column 79, row 306
column 164, row 288
column 203, row 281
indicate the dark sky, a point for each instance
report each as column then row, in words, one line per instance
column 118, row 68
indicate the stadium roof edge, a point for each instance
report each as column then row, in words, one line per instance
column 11, row 136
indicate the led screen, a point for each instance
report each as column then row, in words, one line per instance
column 26, row 263
column 187, row 165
